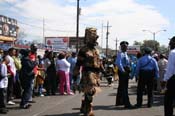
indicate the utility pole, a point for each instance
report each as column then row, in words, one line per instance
column 102, row 36
column 77, row 27
column 116, row 41
column 44, row 41
column 107, row 34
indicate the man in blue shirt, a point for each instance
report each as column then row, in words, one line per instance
column 122, row 62
column 146, row 70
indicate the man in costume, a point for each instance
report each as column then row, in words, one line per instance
column 88, row 59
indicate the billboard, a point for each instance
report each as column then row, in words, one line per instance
column 133, row 49
column 5, row 46
column 8, row 27
column 57, row 43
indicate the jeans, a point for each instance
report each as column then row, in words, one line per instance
column 40, row 87
column 27, row 92
column 3, row 97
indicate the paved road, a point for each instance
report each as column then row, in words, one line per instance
column 104, row 105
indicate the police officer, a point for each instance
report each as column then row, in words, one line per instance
column 122, row 62
column 146, row 70
column 169, row 78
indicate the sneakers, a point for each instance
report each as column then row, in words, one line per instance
column 70, row 93
column 63, row 93
column 11, row 103
column 42, row 95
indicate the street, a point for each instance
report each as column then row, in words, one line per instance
column 104, row 105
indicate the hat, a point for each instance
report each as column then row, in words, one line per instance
column 124, row 43
column 162, row 56
column 147, row 50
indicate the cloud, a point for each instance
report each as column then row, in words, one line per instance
column 10, row 1
column 127, row 18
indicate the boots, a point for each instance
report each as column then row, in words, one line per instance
column 82, row 109
column 90, row 110
column 86, row 108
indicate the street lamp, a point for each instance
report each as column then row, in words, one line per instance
column 154, row 35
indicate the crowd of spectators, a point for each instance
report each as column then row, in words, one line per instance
column 24, row 74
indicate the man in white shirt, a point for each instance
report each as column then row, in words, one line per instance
column 12, row 70
column 169, row 79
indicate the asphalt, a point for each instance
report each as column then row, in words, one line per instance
column 104, row 104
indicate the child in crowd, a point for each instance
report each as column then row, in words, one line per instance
column 40, row 76
column 3, row 85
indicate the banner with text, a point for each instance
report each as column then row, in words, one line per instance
column 57, row 43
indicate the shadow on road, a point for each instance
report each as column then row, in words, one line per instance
column 110, row 107
column 65, row 114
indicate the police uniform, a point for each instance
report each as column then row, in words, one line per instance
column 123, row 64
column 146, row 70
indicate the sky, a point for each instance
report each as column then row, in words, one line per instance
column 127, row 19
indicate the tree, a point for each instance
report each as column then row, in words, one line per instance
column 163, row 49
column 137, row 43
column 152, row 44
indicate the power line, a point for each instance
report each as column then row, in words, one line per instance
column 40, row 27
column 29, row 24
column 48, row 29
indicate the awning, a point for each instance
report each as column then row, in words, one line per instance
column 9, row 39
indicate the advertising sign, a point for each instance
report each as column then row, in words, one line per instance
column 8, row 26
column 57, row 43
column 5, row 46
column 133, row 49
